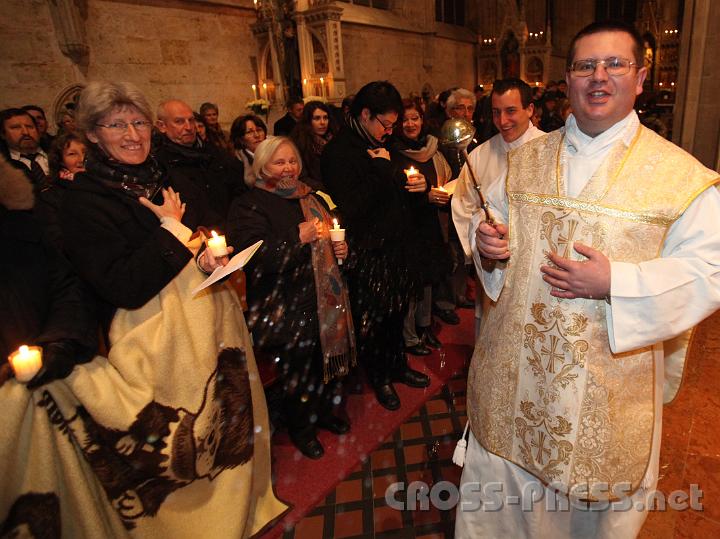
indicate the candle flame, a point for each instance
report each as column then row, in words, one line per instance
column 214, row 234
column 410, row 171
column 335, row 223
column 24, row 349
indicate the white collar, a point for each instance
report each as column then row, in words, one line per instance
column 530, row 133
column 582, row 144
column 16, row 155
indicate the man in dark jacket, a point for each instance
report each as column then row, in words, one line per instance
column 374, row 200
column 284, row 126
column 205, row 176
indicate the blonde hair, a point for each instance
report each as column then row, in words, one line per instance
column 265, row 151
column 100, row 97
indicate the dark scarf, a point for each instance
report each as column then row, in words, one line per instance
column 337, row 335
column 180, row 154
column 135, row 181
column 357, row 127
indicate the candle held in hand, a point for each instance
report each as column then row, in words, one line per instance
column 217, row 245
column 412, row 171
column 337, row 234
column 26, row 362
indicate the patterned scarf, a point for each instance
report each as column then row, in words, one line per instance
column 337, row 334
column 135, row 181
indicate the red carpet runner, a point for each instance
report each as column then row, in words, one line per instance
column 303, row 483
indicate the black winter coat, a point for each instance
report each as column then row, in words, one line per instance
column 433, row 257
column 207, row 179
column 40, row 295
column 281, row 295
column 117, row 245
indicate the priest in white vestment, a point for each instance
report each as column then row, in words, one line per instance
column 512, row 109
column 605, row 244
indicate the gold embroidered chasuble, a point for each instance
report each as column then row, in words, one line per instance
column 545, row 391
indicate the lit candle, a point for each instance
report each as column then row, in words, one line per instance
column 441, row 188
column 322, row 86
column 412, row 171
column 254, row 89
column 217, row 245
column 265, row 89
column 26, row 362
column 337, row 234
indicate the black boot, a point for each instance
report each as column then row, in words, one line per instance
column 428, row 337
column 306, row 441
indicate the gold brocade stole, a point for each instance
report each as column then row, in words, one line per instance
column 545, row 391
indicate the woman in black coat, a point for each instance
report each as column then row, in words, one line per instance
column 121, row 227
column 415, row 147
column 298, row 308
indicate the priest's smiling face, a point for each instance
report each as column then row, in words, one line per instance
column 509, row 116
column 600, row 100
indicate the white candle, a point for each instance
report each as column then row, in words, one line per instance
column 322, row 86
column 337, row 234
column 254, row 89
column 265, row 89
column 217, row 245
column 412, row 171
column 26, row 362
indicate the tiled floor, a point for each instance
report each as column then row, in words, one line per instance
column 420, row 450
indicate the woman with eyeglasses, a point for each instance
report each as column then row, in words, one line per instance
column 246, row 133
column 179, row 390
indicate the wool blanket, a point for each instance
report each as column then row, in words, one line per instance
column 166, row 437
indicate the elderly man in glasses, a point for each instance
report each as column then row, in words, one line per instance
column 604, row 244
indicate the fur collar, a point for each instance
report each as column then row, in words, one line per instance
column 16, row 191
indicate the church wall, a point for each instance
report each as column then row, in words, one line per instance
column 169, row 49
column 707, row 135
column 33, row 67
column 374, row 53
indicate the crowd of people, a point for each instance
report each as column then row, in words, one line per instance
column 120, row 194
column 136, row 186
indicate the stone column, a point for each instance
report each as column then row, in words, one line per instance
column 696, row 123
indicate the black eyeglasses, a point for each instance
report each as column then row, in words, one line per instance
column 386, row 127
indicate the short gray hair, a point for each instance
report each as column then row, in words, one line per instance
column 100, row 97
column 456, row 95
column 266, row 149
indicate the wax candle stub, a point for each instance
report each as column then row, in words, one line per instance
column 26, row 362
column 412, row 171
column 217, row 245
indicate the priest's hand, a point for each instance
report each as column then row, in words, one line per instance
column 579, row 279
column 491, row 241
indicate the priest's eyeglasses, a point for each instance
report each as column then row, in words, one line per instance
column 614, row 66
column 122, row 127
